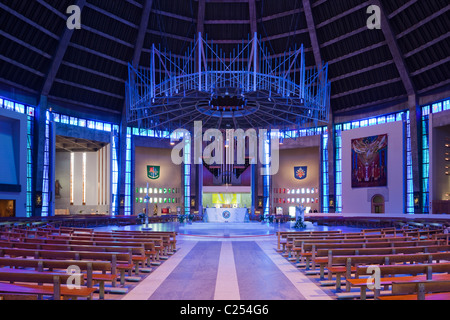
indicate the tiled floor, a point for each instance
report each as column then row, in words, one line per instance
column 227, row 263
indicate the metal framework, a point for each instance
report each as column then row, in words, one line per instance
column 245, row 87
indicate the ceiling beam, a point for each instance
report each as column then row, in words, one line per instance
column 395, row 50
column 430, row 66
column 89, row 88
column 22, row 66
column 286, row 34
column 360, row 89
column 59, row 55
column 312, row 32
column 173, row 15
column 201, row 17
column 111, row 15
column 427, row 45
column 169, row 35
column 402, row 8
column 83, row 104
column 423, row 21
column 252, row 9
column 358, row 52
column 435, row 86
column 99, row 54
column 141, row 34
column 281, row 14
column 30, row 22
column 363, row 5
column 344, row 36
column 351, row 74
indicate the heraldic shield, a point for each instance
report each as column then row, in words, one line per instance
column 153, row 172
column 300, row 173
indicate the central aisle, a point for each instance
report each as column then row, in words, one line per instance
column 226, row 269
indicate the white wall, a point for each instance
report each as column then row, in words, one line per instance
column 358, row 200
column 14, row 148
column 97, row 181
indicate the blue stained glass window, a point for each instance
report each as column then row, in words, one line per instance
column 187, row 176
column 128, row 173
column 325, row 185
column 115, row 174
column 46, row 177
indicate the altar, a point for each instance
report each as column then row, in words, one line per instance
column 226, row 215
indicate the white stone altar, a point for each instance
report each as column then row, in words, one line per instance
column 226, row 215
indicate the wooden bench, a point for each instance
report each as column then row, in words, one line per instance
column 430, row 272
column 419, row 290
column 289, row 243
column 160, row 244
column 89, row 266
column 325, row 256
column 120, row 261
column 137, row 252
column 172, row 234
column 298, row 244
column 55, row 289
column 309, row 250
column 283, row 234
column 149, row 246
column 352, row 262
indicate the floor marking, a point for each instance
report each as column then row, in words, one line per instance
column 227, row 287
column 145, row 289
column 304, row 285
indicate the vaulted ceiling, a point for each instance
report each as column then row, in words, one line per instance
column 88, row 67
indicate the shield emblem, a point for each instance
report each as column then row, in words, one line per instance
column 153, row 172
column 300, row 173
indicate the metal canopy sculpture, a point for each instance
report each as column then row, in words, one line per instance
column 244, row 88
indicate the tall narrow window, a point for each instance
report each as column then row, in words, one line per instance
column 409, row 174
column 325, row 186
column 30, row 129
column 72, row 169
column 338, row 168
column 46, row 174
column 84, row 179
column 425, row 170
column 128, row 174
column 187, row 176
column 115, row 173
column 266, row 176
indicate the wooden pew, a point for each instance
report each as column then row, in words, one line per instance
column 352, row 262
column 172, row 234
column 430, row 271
column 283, row 234
column 36, row 287
column 419, row 290
column 325, row 256
column 120, row 261
column 160, row 244
column 298, row 244
column 309, row 250
column 137, row 252
column 149, row 246
column 355, row 237
column 88, row 266
column 167, row 242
